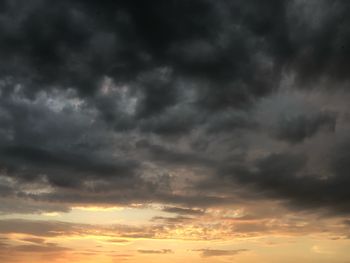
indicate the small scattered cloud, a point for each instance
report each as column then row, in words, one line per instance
column 160, row 251
column 219, row 252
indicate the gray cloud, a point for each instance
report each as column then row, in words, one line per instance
column 295, row 129
column 183, row 211
column 284, row 176
column 180, row 103
column 37, row 228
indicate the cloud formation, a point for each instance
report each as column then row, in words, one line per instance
column 219, row 253
column 190, row 104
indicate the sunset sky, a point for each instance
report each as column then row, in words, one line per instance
column 174, row 131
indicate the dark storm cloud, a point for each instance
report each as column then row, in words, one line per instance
column 100, row 99
column 172, row 156
column 75, row 44
column 284, row 176
column 77, row 164
column 230, row 121
column 49, row 138
column 63, row 160
column 239, row 47
column 295, row 129
column 321, row 44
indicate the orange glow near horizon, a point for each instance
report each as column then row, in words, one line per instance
column 217, row 235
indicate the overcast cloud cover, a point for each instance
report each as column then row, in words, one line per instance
column 190, row 104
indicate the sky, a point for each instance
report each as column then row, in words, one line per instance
column 174, row 131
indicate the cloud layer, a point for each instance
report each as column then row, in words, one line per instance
column 190, row 104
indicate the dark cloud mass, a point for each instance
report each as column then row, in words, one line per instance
column 184, row 103
column 297, row 128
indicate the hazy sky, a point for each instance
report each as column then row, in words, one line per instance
column 175, row 131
